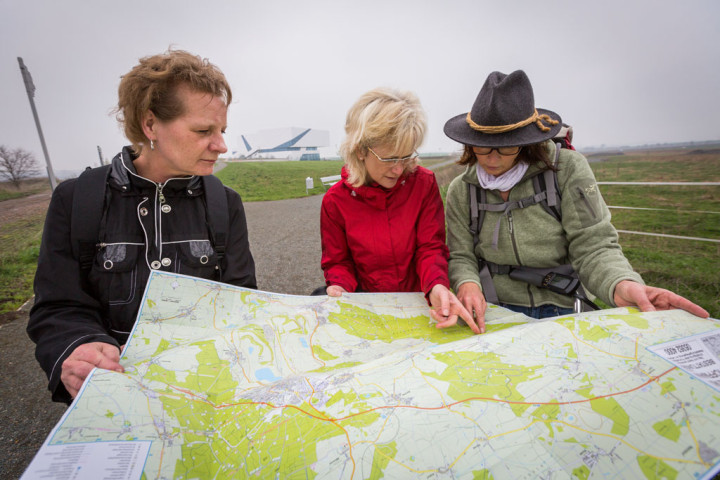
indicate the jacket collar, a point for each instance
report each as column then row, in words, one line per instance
column 124, row 174
column 374, row 194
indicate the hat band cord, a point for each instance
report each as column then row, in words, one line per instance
column 537, row 118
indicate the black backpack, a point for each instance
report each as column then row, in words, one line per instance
column 87, row 211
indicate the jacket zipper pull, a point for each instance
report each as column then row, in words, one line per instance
column 161, row 197
column 510, row 222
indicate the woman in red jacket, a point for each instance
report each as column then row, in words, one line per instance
column 382, row 225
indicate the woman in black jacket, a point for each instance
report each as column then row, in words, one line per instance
column 155, row 216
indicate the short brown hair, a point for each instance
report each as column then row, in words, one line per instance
column 153, row 85
column 535, row 153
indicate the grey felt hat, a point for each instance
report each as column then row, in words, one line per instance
column 504, row 115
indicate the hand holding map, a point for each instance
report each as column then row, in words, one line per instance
column 83, row 359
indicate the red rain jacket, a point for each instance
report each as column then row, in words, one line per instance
column 380, row 240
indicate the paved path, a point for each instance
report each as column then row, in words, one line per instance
column 285, row 242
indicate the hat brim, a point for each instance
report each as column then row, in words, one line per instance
column 458, row 129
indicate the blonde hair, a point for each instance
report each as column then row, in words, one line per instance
column 381, row 116
column 153, row 85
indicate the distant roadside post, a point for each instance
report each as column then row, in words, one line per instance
column 30, row 88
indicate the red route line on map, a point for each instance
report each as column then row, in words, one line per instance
column 328, row 419
column 516, row 402
column 336, row 420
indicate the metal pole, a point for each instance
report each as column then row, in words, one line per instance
column 102, row 162
column 30, row 88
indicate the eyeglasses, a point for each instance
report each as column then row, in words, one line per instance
column 507, row 151
column 394, row 161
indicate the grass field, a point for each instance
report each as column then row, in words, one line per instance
column 257, row 181
column 27, row 187
column 19, row 248
column 690, row 268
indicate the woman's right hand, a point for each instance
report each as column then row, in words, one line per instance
column 335, row 290
column 77, row 366
column 473, row 300
column 446, row 309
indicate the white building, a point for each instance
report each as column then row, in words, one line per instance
column 292, row 143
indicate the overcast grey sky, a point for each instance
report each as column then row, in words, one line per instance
column 621, row 72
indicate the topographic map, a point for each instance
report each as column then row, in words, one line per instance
column 224, row 383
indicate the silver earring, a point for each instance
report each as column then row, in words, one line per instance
column 152, row 145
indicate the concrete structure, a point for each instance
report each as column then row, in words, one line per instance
column 292, row 143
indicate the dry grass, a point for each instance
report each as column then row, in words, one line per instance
column 27, row 187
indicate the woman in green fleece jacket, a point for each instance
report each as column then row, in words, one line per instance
column 507, row 142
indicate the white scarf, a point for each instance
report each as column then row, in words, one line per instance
column 502, row 182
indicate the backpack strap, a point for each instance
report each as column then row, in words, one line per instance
column 522, row 273
column 552, row 187
column 474, row 218
column 87, row 211
column 218, row 215
column 548, row 183
column 505, row 208
column 488, row 286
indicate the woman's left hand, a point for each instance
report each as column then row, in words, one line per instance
column 335, row 290
column 446, row 308
column 648, row 299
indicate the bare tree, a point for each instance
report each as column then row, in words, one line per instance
column 17, row 164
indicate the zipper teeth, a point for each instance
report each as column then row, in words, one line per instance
column 512, row 238
column 103, row 244
column 158, row 218
column 587, row 202
column 517, row 256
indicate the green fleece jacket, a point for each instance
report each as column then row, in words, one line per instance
column 530, row 236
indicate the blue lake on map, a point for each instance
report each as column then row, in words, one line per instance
column 266, row 374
